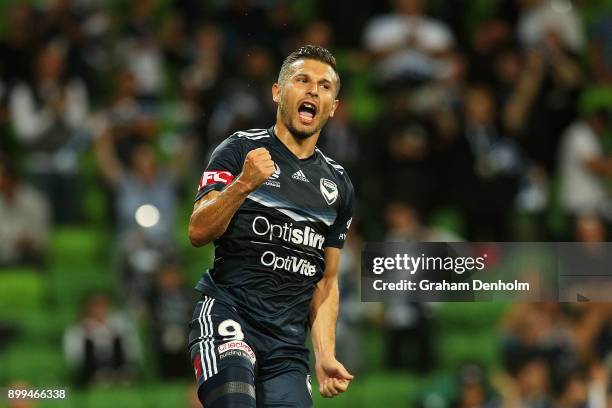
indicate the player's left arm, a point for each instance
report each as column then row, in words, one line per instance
column 332, row 376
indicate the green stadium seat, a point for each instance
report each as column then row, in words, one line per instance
column 75, row 244
column 114, row 397
column 21, row 290
column 39, row 365
column 79, row 265
column 480, row 347
column 474, row 316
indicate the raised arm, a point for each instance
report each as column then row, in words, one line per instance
column 332, row 376
column 110, row 165
column 212, row 213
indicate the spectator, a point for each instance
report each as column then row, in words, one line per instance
column 61, row 21
column 49, row 117
column 593, row 332
column 101, row 347
column 318, row 32
column 489, row 39
column 403, row 153
column 404, row 224
column 16, row 56
column 539, row 18
column 142, row 186
column 542, row 101
column 341, row 140
column 25, row 216
column 583, row 166
column 530, row 385
column 407, row 45
column 175, row 43
column 145, row 206
column 246, row 101
column 507, row 69
column 126, row 122
column 409, row 325
column 474, row 390
column 201, row 79
column 600, row 49
column 353, row 313
column 536, row 337
column 571, row 389
column 170, row 308
column 591, row 259
column 141, row 52
column 486, row 169
column 589, row 229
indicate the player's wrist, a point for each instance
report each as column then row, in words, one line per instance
column 244, row 186
column 323, row 356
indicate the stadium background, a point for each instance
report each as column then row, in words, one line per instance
column 459, row 122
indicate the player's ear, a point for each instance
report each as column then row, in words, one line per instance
column 333, row 108
column 276, row 92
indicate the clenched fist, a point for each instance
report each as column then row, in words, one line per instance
column 333, row 378
column 257, row 167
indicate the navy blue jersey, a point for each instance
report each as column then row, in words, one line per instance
column 271, row 255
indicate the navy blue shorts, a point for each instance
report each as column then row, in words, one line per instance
column 237, row 365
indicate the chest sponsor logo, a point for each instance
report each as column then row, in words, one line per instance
column 231, row 347
column 212, row 177
column 272, row 181
column 287, row 232
column 299, row 175
column 289, row 263
column 329, row 190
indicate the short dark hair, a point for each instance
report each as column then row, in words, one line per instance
column 314, row 52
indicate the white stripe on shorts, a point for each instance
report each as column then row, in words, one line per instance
column 203, row 334
column 212, row 337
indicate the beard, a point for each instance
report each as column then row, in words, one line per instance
column 298, row 134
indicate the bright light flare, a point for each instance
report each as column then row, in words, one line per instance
column 147, row 216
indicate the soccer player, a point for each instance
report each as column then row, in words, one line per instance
column 278, row 211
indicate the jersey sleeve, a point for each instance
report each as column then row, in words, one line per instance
column 339, row 230
column 225, row 164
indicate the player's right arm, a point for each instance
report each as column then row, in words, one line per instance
column 213, row 212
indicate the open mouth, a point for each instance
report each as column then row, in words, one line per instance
column 307, row 112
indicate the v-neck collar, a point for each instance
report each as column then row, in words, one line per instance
column 307, row 160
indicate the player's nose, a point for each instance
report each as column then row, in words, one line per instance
column 313, row 90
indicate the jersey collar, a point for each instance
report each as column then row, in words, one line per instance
column 309, row 159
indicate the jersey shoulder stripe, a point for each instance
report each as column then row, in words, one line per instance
column 331, row 162
column 290, row 209
column 252, row 134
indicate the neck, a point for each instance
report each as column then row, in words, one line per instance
column 302, row 148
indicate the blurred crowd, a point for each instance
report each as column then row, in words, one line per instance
column 497, row 113
column 554, row 356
